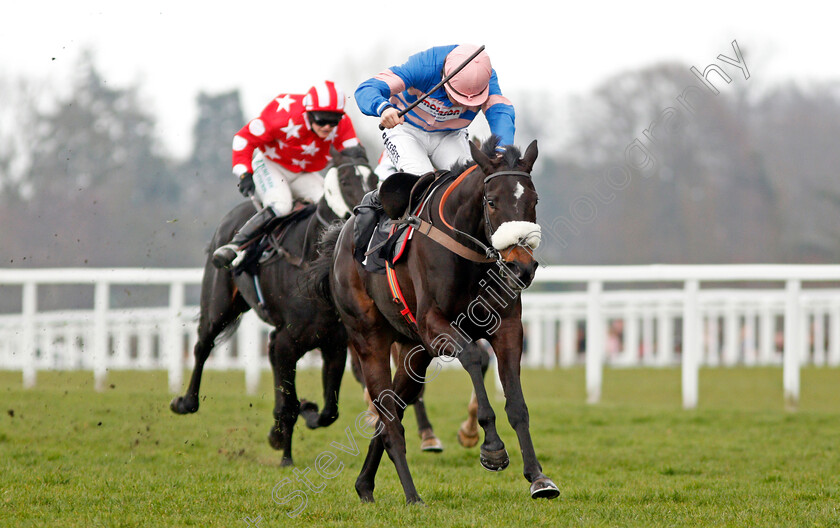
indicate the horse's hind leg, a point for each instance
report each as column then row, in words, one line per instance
column 468, row 432
column 221, row 305
column 428, row 440
column 390, row 400
column 335, row 359
column 284, row 357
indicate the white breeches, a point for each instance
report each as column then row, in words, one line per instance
column 277, row 186
column 418, row 152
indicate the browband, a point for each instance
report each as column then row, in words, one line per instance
column 506, row 173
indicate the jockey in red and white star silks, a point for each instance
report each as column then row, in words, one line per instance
column 283, row 151
column 277, row 156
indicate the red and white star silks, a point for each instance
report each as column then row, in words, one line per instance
column 282, row 132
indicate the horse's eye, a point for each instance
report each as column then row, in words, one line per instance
column 491, row 203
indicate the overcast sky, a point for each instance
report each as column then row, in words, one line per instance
column 175, row 48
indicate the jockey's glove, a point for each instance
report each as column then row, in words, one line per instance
column 246, row 184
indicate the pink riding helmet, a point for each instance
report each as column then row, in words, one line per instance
column 470, row 86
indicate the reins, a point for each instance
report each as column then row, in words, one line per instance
column 427, row 229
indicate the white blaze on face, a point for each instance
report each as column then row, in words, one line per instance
column 517, row 193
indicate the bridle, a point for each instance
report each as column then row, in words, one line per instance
column 488, row 226
column 491, row 254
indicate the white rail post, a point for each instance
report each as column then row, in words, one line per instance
column 174, row 337
column 834, row 334
column 28, row 344
column 731, row 349
column 664, row 336
column 594, row 342
column 819, row 337
column 690, row 345
column 248, row 341
column 100, row 334
column 536, row 347
column 792, row 343
column 766, row 335
column 630, row 352
column 749, row 337
column 549, row 359
column 568, row 339
column 648, row 355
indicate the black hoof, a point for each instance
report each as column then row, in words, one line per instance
column 494, row 460
column 544, row 488
column 181, row 405
column 415, row 501
column 275, row 439
column 309, row 411
column 286, row 462
column 365, row 492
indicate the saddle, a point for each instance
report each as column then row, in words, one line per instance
column 269, row 246
column 387, row 241
column 402, row 191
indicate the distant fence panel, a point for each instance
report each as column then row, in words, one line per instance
column 603, row 316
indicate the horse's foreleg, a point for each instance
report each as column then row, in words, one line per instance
column 494, row 456
column 507, row 344
column 220, row 306
column 283, row 358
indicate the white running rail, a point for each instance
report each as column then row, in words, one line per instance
column 617, row 316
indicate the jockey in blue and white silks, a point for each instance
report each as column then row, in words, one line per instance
column 433, row 135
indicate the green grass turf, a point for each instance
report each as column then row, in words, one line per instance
column 70, row 456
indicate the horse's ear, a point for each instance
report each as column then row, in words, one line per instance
column 333, row 151
column 530, row 156
column 481, row 158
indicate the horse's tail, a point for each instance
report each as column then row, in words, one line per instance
column 318, row 275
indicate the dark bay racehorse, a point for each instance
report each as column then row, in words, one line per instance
column 301, row 322
column 455, row 299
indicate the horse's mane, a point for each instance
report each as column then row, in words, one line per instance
column 510, row 155
column 355, row 152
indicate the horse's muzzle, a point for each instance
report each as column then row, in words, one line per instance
column 519, row 268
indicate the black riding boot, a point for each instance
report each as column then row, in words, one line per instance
column 231, row 254
column 367, row 215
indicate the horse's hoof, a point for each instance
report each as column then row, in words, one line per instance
column 415, row 501
column 180, row 405
column 431, row 444
column 365, row 492
column 466, row 438
column 287, row 462
column 494, row 460
column 309, row 411
column 544, row 488
column 275, row 439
